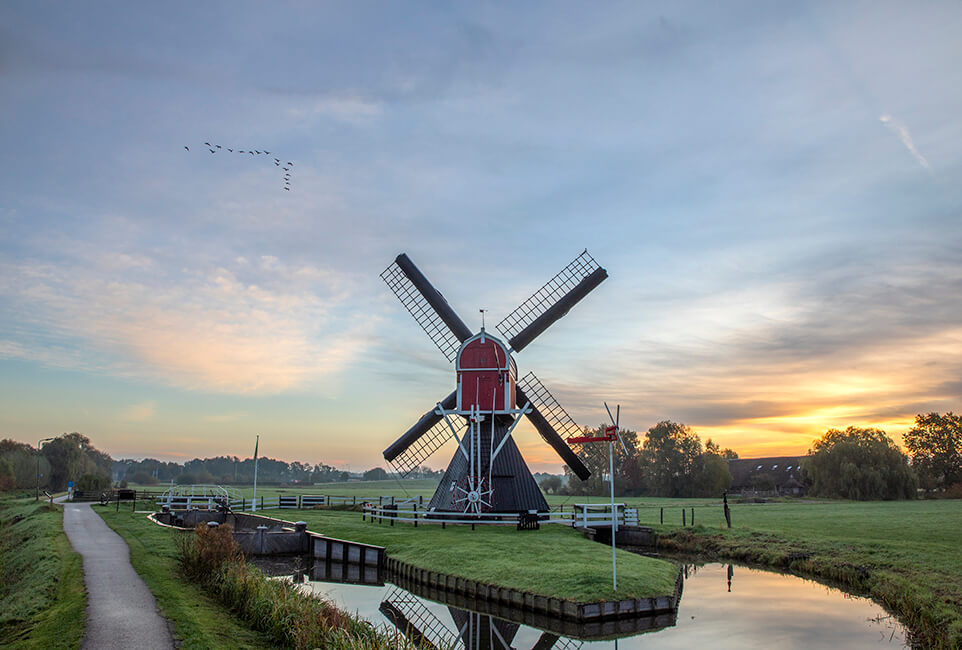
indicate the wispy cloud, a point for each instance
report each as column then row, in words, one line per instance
column 902, row 132
column 225, row 417
column 138, row 412
column 347, row 107
column 276, row 329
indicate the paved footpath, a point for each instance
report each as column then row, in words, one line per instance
column 121, row 611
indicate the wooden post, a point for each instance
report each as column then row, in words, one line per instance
column 262, row 502
column 728, row 515
column 693, row 516
column 662, row 516
column 415, row 515
column 683, row 518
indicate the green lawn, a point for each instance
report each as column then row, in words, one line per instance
column 906, row 554
column 42, row 598
column 553, row 561
column 199, row 620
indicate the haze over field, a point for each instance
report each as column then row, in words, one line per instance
column 775, row 190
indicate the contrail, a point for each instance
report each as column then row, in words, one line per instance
column 903, row 132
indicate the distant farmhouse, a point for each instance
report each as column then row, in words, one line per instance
column 767, row 476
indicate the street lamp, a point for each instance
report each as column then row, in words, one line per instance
column 43, row 440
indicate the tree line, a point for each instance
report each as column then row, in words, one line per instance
column 857, row 463
column 68, row 457
column 865, row 463
column 669, row 461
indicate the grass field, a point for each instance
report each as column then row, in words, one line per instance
column 554, row 561
column 905, row 554
column 42, row 598
column 199, row 620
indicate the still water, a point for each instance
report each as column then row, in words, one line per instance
column 723, row 606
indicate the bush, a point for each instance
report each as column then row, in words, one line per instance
column 143, row 478
column 208, row 550
column 294, row 619
column 860, row 464
column 93, row 482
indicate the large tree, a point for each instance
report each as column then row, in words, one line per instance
column 595, row 457
column 861, row 464
column 935, row 444
column 675, row 465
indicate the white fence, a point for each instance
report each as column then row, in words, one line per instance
column 580, row 516
column 393, row 509
column 243, row 504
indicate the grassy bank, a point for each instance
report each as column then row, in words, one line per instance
column 199, row 620
column 904, row 554
column 293, row 618
column 42, row 598
column 553, row 561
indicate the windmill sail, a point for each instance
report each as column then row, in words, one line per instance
column 416, row 621
column 551, row 420
column 423, row 439
column 552, row 301
column 427, row 305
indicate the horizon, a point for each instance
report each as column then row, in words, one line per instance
column 774, row 191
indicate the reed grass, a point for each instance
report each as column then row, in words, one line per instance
column 291, row 617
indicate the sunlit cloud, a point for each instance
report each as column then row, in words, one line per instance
column 139, row 412
column 210, row 330
column 902, row 132
column 224, row 417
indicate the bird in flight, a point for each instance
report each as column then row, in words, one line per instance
column 212, row 151
column 207, row 143
column 186, row 147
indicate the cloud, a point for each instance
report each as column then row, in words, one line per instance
column 139, row 412
column 902, row 131
column 268, row 330
column 225, row 417
column 347, row 107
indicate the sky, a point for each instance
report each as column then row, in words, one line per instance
column 775, row 190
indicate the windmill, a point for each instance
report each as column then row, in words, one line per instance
column 472, row 630
column 488, row 473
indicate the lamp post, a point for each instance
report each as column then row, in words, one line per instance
column 42, row 440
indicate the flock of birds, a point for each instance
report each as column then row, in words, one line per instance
column 286, row 167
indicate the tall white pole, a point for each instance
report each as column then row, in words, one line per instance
column 614, row 514
column 254, row 506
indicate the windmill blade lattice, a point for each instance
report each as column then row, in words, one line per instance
column 425, row 446
column 553, row 291
column 425, row 315
column 447, row 335
column 431, row 628
column 542, row 399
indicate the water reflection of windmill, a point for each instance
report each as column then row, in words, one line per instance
column 472, row 631
column 487, row 472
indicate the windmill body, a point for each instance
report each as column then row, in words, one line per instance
column 487, row 472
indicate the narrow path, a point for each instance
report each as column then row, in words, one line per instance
column 121, row 611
